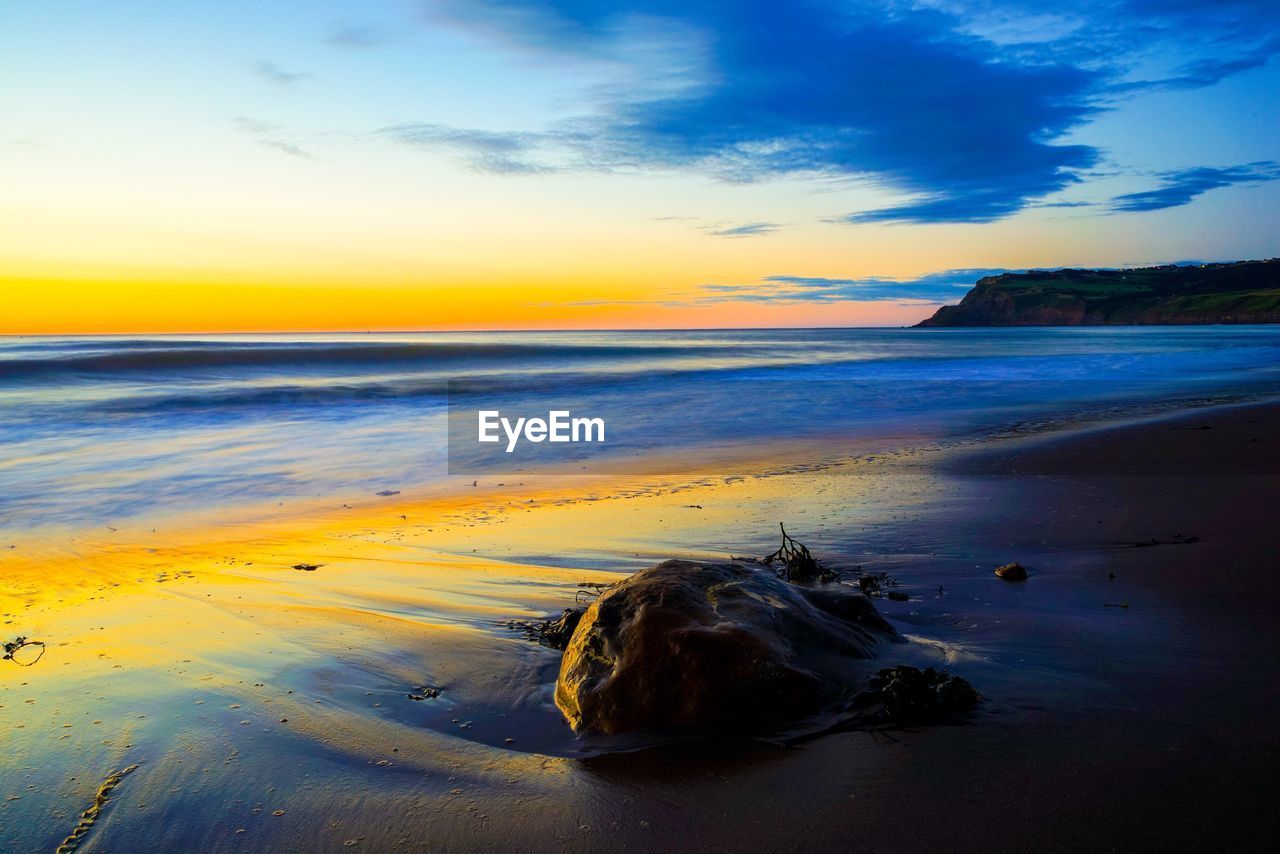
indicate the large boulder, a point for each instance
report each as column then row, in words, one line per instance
column 690, row 645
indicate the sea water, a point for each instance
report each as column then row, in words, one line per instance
column 120, row 430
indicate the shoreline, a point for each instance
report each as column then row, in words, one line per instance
column 442, row 508
column 1086, row 702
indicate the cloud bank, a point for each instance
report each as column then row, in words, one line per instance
column 932, row 101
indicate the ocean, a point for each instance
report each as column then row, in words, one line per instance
column 117, row 431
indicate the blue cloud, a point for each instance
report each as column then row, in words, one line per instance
column 1181, row 187
column 931, row 100
column 939, row 287
column 1211, row 38
column 824, row 88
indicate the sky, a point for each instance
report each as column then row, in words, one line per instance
column 424, row 164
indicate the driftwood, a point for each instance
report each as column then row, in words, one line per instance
column 588, row 590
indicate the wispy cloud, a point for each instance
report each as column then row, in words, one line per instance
column 493, row 152
column 939, row 287
column 273, row 73
column 1181, row 187
column 1206, row 72
column 944, row 286
column 750, row 229
column 271, row 135
column 359, row 35
column 286, row 147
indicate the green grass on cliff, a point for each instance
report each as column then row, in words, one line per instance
column 1240, row 292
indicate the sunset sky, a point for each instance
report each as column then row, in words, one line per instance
column 389, row 164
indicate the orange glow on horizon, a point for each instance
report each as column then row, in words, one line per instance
column 96, row 307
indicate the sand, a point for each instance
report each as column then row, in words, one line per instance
column 1129, row 694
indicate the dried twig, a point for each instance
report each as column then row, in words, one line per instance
column 589, row 590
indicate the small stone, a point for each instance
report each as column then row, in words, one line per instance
column 1012, row 572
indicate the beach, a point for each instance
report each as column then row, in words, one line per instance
column 544, row 426
column 1126, row 698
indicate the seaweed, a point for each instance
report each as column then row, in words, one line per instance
column 912, row 696
column 89, row 816
column 11, row 650
column 553, row 632
column 900, row 697
column 875, row 584
column 797, row 563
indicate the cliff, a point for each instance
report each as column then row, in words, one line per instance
column 1240, row 292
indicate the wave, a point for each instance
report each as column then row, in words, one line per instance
column 301, row 355
column 913, row 377
column 429, row 389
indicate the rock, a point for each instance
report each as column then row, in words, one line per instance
column 690, row 645
column 1012, row 572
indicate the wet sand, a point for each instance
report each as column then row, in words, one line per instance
column 1129, row 694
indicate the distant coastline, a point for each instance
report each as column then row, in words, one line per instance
column 1240, row 292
